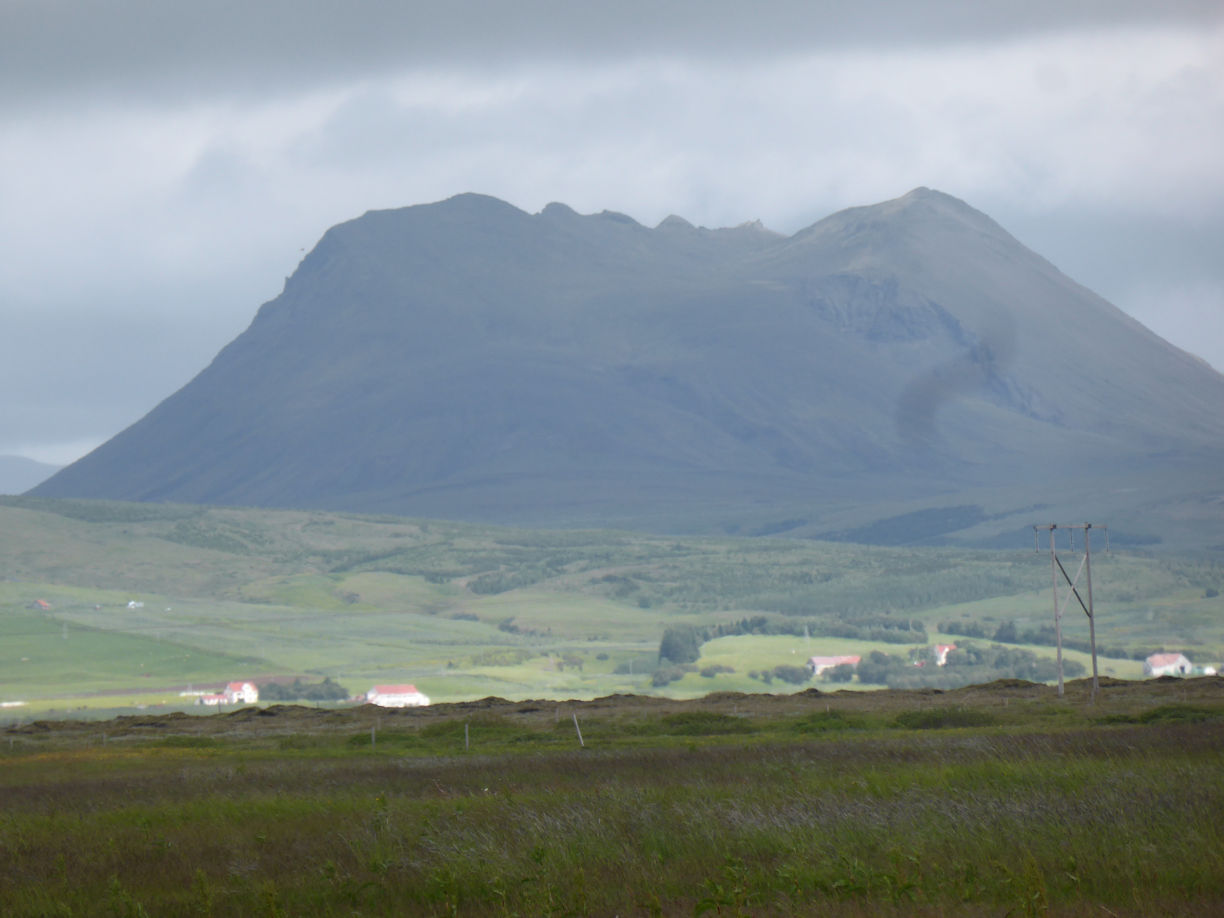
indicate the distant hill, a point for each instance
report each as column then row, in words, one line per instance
column 468, row 360
column 18, row 474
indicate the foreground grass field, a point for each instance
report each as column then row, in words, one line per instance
column 992, row 800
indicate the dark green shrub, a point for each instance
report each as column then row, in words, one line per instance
column 842, row 672
column 823, row 721
column 702, row 723
column 680, row 644
column 1180, row 714
column 303, row 691
column 943, row 718
column 665, row 675
column 795, row 675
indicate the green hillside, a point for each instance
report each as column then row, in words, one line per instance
column 106, row 605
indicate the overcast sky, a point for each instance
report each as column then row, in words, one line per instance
column 164, row 165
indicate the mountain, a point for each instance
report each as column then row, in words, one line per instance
column 18, row 474
column 468, row 360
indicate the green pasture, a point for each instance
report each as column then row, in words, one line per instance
column 45, row 657
column 468, row 611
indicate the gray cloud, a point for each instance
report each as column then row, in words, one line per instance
column 170, row 52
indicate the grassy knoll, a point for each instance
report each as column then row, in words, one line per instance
column 468, row 610
column 994, row 800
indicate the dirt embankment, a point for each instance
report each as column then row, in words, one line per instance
column 1114, row 697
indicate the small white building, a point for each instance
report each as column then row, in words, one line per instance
column 819, row 664
column 241, row 693
column 397, row 696
column 1167, row 664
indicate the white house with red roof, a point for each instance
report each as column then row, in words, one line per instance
column 241, row 693
column 941, row 653
column 397, row 696
column 233, row 693
column 819, row 664
column 1167, row 664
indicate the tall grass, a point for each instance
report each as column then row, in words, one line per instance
column 675, row 817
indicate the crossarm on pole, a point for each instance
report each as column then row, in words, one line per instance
column 1071, row 583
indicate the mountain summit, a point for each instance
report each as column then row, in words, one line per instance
column 466, row 359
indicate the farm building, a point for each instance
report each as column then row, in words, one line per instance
column 941, row 653
column 396, row 696
column 234, row 693
column 819, row 664
column 1167, row 664
column 241, row 693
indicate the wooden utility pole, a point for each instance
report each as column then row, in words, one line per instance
column 1085, row 568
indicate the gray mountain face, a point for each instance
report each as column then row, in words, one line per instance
column 468, row 360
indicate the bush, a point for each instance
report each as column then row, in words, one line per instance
column 665, row 675
column 795, row 675
column 703, row 723
column 842, row 672
column 964, row 629
column 1006, row 634
column 680, row 644
column 940, row 718
column 823, row 721
column 879, row 667
column 304, row 691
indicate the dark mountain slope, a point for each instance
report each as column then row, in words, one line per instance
column 465, row 359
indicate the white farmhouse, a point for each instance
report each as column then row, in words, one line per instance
column 396, row 696
column 1167, row 664
column 819, row 664
column 241, row 693
column 941, row 653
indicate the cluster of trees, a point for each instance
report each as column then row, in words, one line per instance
column 304, row 691
column 682, row 643
column 970, row 664
column 795, row 675
column 864, row 628
column 509, row 626
column 842, row 672
column 878, row 628
column 1043, row 636
column 670, row 672
column 964, row 628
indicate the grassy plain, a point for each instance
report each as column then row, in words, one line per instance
column 990, row 800
column 143, row 601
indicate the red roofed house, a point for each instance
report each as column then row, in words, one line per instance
column 397, row 696
column 241, row 693
column 819, row 664
column 1167, row 664
column 941, row 653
